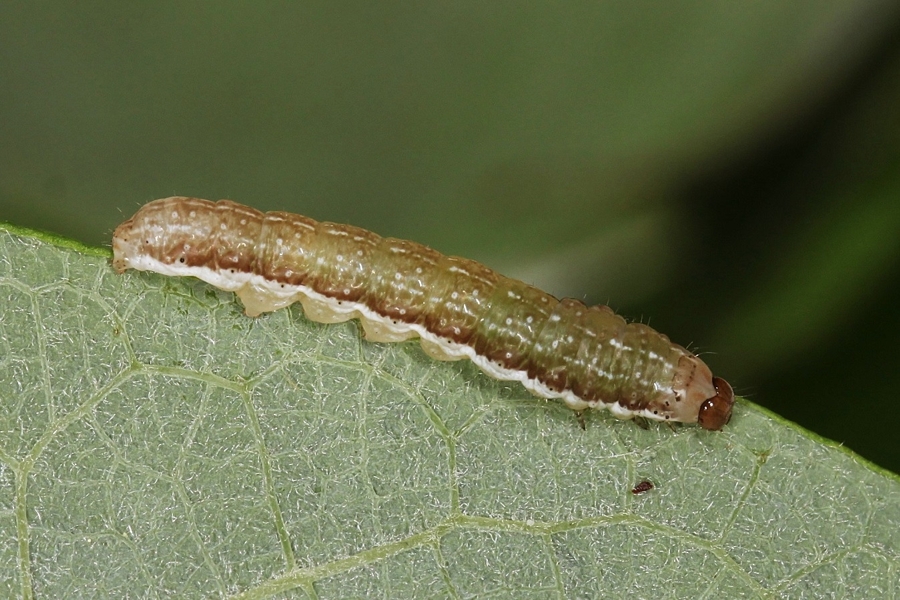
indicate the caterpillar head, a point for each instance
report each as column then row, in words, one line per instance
column 715, row 412
column 700, row 397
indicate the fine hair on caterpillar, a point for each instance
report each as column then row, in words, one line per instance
column 588, row 357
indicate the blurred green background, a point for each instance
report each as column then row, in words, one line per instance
column 728, row 172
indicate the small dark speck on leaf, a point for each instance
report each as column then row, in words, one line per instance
column 643, row 486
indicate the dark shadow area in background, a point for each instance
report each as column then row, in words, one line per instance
column 846, row 390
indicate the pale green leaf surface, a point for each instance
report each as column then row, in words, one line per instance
column 155, row 442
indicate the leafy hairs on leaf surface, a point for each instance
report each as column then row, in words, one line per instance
column 156, row 442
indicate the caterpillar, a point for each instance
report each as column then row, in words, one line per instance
column 587, row 356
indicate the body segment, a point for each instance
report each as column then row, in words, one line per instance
column 587, row 356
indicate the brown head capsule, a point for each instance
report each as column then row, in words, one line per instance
column 715, row 412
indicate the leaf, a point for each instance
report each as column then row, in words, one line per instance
column 155, row 442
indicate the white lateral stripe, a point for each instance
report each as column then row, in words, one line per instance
column 232, row 282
